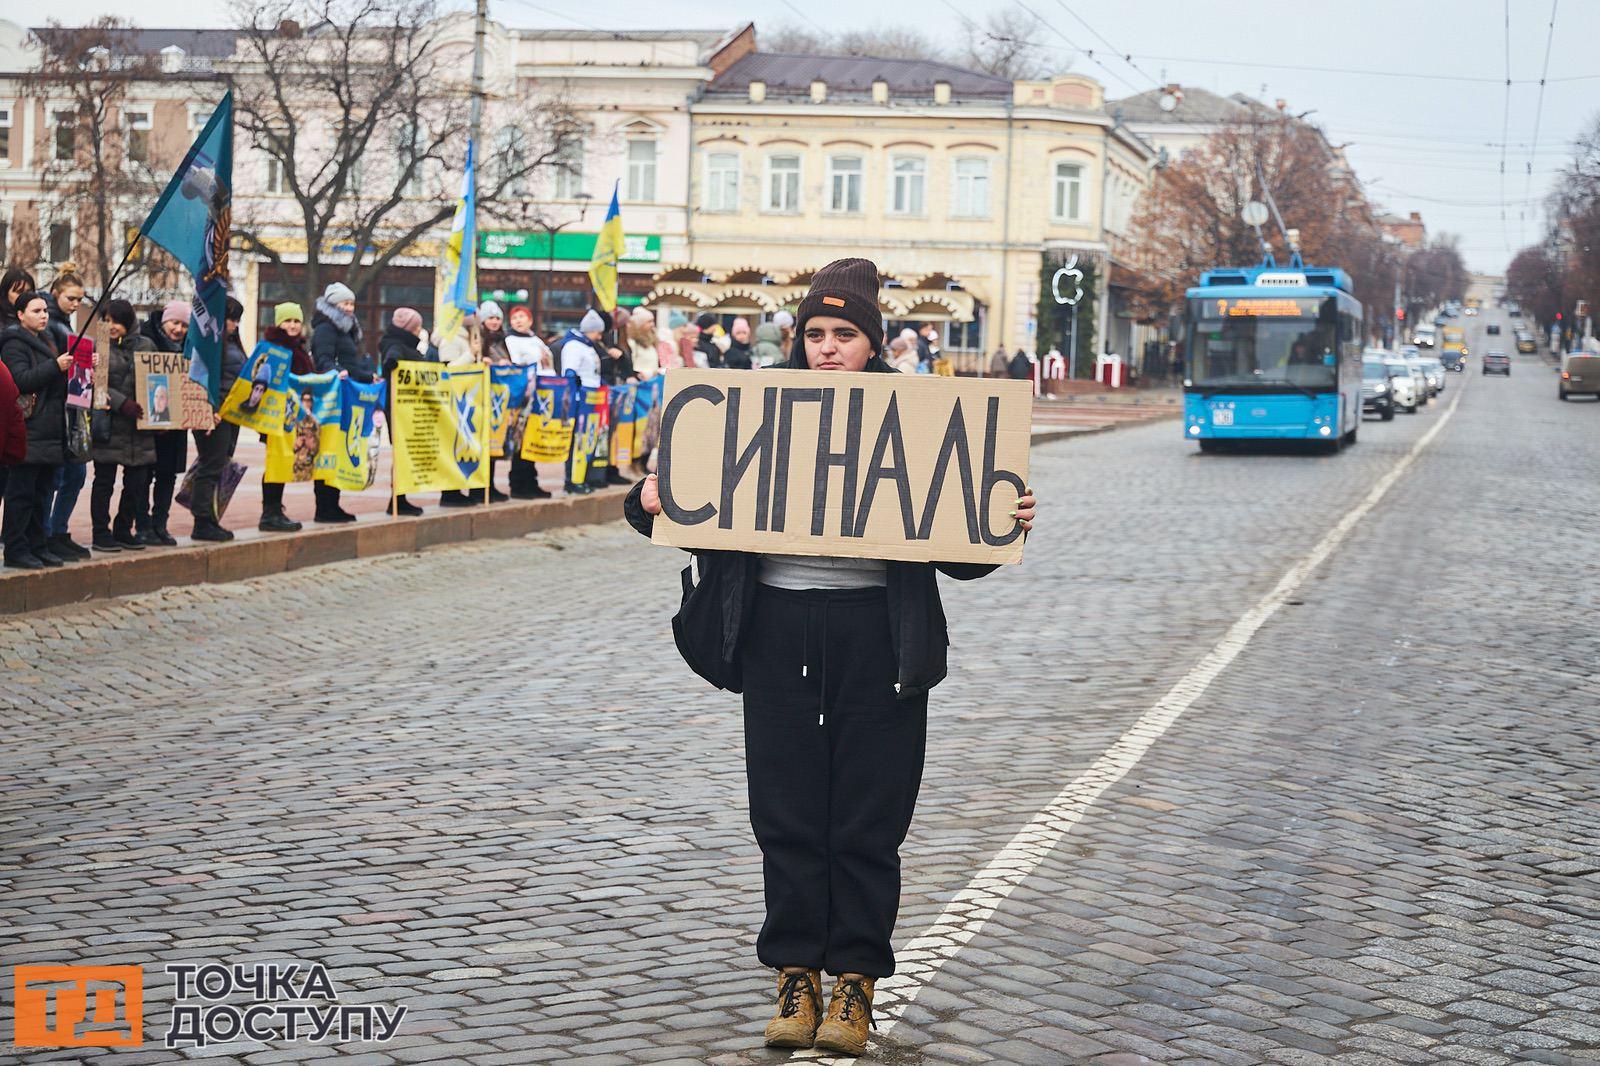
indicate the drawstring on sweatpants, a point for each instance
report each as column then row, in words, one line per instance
column 805, row 657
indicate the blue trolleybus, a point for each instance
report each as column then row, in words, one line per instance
column 1273, row 354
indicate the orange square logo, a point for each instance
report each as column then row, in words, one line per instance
column 79, row 1006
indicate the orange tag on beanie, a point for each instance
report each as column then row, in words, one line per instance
column 833, row 301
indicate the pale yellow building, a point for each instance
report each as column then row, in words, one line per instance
column 957, row 184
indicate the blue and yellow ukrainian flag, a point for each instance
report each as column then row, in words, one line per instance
column 607, row 251
column 458, row 295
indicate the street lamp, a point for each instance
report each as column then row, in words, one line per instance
column 583, row 199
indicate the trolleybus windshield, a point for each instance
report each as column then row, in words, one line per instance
column 1267, row 341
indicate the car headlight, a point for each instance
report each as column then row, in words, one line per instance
column 1381, row 387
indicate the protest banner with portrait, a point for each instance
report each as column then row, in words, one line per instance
column 351, row 466
column 621, row 418
column 548, row 436
column 292, row 449
column 596, row 436
column 170, row 399
column 508, row 392
column 259, row 398
column 441, row 426
column 882, row 466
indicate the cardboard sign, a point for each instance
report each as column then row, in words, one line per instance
column 100, row 336
column 881, row 466
column 170, row 400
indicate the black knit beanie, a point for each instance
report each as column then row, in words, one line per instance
column 847, row 289
column 705, row 321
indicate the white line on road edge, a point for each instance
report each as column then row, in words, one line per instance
column 964, row 916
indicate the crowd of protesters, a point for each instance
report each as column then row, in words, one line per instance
column 44, row 466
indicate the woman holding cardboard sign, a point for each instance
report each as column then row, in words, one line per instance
column 835, row 657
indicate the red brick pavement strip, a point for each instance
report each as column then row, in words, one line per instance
column 253, row 553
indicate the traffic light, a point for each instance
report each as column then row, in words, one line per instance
column 1400, row 313
column 1558, row 316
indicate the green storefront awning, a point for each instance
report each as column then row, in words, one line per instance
column 515, row 244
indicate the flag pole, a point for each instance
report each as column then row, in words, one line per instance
column 109, row 287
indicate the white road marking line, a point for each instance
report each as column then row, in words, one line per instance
column 964, row 916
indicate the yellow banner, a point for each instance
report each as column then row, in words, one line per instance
column 548, row 436
column 441, row 426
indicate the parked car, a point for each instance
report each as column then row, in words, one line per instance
column 1580, row 375
column 1497, row 362
column 1493, row 329
column 1515, row 311
column 1378, row 388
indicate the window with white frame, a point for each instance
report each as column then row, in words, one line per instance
column 408, row 148
column 1068, row 199
column 60, row 242
column 844, row 184
column 569, row 169
column 66, row 135
column 783, row 183
column 199, row 115
column 642, row 169
column 970, row 197
column 722, row 181
column 276, row 185
column 5, row 136
column 908, row 179
column 136, row 123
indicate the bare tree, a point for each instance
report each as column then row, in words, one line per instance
column 1007, row 44
column 364, row 119
column 882, row 42
column 1189, row 220
column 97, row 164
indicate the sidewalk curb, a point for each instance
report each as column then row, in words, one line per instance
column 196, row 564
column 1050, row 435
column 155, row 568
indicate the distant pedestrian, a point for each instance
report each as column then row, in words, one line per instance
column 336, row 345
column 835, row 657
column 999, row 364
column 768, row 350
column 214, row 446
column 66, row 296
column 706, row 342
column 287, row 331
column 166, row 329
column 39, row 373
column 401, row 342
column 1020, row 367
column 128, row 449
column 580, row 355
column 928, row 344
column 737, row 357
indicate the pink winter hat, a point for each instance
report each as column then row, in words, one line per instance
column 406, row 318
column 175, row 311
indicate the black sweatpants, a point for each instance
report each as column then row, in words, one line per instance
column 172, row 459
column 27, row 504
column 133, row 511
column 213, row 449
column 834, row 763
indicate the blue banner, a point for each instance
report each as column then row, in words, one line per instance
column 192, row 220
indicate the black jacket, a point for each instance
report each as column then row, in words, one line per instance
column 713, row 354
column 61, row 328
column 31, row 358
column 233, row 360
column 159, row 341
column 737, row 357
column 335, row 349
column 396, row 344
column 916, row 614
column 128, row 445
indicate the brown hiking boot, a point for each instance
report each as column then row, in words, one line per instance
column 799, row 1008
column 849, row 1015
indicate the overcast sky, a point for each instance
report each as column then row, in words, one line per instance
column 1425, row 144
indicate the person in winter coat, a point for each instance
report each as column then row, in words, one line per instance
column 214, row 447
column 835, row 657
column 336, row 335
column 769, row 345
column 1021, row 367
column 645, row 346
column 66, row 296
column 401, row 341
column 737, row 357
column 706, row 343
column 336, row 345
column 530, row 351
column 130, row 449
column 928, row 344
column 166, row 331
column 580, row 355
column 15, row 283
column 491, row 327
column 999, row 364
column 902, row 356
column 39, row 373
column 288, row 330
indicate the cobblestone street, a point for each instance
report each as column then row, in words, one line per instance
column 479, row 782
